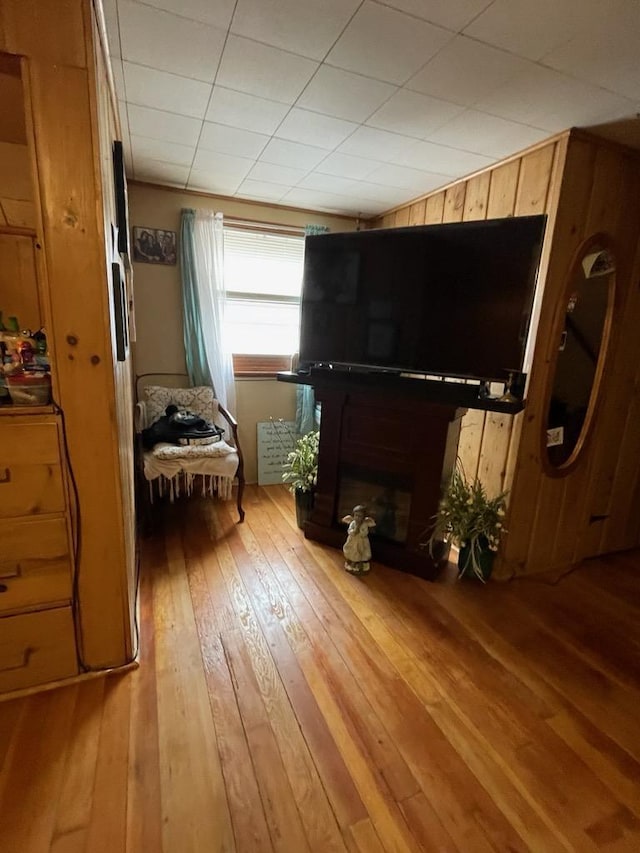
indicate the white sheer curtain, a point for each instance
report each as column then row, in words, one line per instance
column 209, row 264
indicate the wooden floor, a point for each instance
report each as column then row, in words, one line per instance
column 282, row 704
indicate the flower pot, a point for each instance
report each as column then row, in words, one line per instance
column 304, row 505
column 484, row 557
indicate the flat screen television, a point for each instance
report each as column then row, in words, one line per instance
column 449, row 300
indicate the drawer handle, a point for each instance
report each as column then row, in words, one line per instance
column 6, row 477
column 23, row 663
column 13, row 573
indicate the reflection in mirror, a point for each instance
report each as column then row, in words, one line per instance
column 18, row 282
column 582, row 345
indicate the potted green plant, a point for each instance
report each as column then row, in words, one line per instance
column 301, row 472
column 468, row 518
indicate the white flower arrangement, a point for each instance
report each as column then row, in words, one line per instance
column 467, row 516
column 302, row 464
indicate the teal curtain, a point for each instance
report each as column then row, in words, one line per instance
column 194, row 343
column 305, row 409
column 306, row 419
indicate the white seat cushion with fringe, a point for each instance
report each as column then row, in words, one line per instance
column 175, row 466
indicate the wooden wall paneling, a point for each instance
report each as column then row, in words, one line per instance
column 611, row 453
column 622, row 528
column 502, row 192
column 79, row 298
column 494, row 451
column 533, row 181
column 417, row 212
column 547, row 544
column 434, row 209
column 123, row 371
column 600, row 215
column 454, row 202
column 402, row 217
column 471, row 430
column 387, row 221
column 496, row 428
column 106, row 130
column 533, row 197
column 523, row 469
column 477, row 197
column 49, row 29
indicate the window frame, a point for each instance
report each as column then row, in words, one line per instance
column 249, row 365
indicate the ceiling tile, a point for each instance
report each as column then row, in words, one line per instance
column 553, row 101
column 111, row 20
column 346, row 166
column 212, row 182
column 443, row 160
column 273, row 174
column 163, row 91
column 264, row 71
column 465, row 71
column 158, row 172
column 343, row 94
column 317, row 200
column 262, row 190
column 385, row 195
column 607, row 58
column 315, row 128
column 376, row 144
column 305, row 28
column 328, row 183
column 406, row 178
column 294, row 154
column 248, row 112
column 157, row 149
column 453, row 16
column 412, row 114
column 532, row 29
column 225, row 165
column 169, row 42
column 217, row 13
column 157, row 124
column 232, row 140
column 386, row 44
column 485, row 134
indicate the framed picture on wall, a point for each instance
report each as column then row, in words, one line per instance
column 154, row 246
column 119, row 312
column 122, row 204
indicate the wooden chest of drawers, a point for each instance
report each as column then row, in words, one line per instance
column 37, row 639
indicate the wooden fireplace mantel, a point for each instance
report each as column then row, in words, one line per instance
column 384, row 448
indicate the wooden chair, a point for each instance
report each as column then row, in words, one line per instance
column 176, row 470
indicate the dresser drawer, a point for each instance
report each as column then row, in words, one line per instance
column 30, row 470
column 35, row 563
column 36, row 648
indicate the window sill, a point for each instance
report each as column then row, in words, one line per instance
column 259, row 366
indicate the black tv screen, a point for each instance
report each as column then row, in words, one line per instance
column 446, row 300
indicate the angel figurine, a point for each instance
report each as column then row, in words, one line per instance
column 357, row 550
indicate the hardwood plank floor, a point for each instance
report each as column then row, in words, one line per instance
column 284, row 705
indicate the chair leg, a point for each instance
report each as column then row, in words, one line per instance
column 239, row 501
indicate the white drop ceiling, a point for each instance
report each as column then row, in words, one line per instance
column 355, row 106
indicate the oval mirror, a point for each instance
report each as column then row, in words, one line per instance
column 582, row 347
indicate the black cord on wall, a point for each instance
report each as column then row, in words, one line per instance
column 77, row 562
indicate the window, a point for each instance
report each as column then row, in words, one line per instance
column 263, row 279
